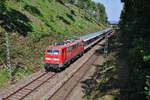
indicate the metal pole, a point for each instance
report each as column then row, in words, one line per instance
column 105, row 58
column 106, row 50
column 8, row 57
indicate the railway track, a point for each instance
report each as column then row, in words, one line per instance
column 27, row 89
column 65, row 90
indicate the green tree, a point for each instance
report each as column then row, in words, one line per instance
column 101, row 13
column 2, row 7
column 134, row 34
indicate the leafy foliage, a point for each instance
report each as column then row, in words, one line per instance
column 96, row 10
column 134, row 34
column 2, row 7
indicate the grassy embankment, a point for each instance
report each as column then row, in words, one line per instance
column 33, row 26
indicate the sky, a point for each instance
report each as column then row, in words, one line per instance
column 113, row 8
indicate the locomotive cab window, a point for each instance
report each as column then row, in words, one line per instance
column 49, row 51
column 53, row 51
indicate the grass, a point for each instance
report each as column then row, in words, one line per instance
column 52, row 17
column 3, row 78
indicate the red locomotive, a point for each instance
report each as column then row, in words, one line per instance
column 60, row 55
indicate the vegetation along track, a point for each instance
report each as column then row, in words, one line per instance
column 24, row 91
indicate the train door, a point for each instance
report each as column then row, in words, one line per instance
column 64, row 54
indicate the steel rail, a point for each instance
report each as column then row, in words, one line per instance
column 28, row 84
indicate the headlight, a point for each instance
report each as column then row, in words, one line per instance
column 48, row 59
column 55, row 59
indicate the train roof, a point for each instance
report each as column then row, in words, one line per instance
column 63, row 44
column 56, row 47
column 90, row 36
column 95, row 34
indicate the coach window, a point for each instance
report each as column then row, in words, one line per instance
column 77, row 45
column 80, row 44
column 74, row 46
column 68, row 49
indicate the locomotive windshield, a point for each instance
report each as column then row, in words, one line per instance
column 52, row 51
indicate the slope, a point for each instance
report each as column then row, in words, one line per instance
column 34, row 24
